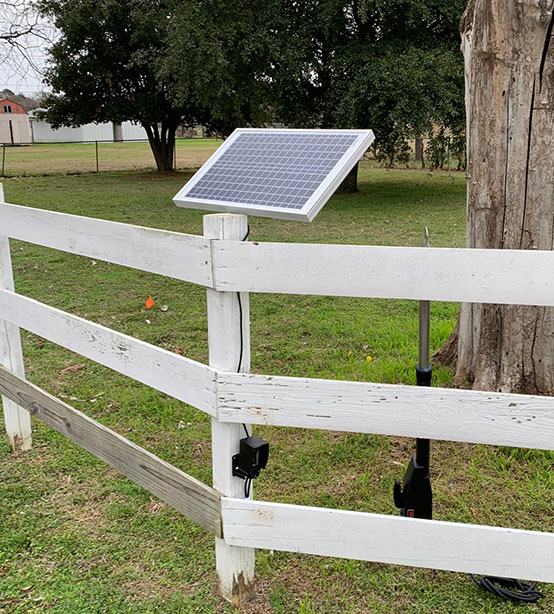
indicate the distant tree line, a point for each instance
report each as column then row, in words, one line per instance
column 392, row 65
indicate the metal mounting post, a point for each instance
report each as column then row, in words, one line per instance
column 414, row 496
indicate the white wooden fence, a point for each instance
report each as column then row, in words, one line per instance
column 226, row 265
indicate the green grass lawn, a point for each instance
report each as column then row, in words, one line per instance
column 76, row 537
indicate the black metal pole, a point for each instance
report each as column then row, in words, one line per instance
column 3, row 158
column 96, row 150
column 414, row 496
column 423, row 369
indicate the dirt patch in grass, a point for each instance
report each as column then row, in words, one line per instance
column 147, row 582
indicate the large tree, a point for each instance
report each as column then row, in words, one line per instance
column 225, row 49
column 393, row 66
column 509, row 59
column 105, row 66
column 160, row 63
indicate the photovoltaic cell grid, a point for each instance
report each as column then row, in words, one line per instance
column 272, row 170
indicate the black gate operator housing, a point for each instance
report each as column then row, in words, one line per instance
column 252, row 458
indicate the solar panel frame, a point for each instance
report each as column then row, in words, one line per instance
column 312, row 206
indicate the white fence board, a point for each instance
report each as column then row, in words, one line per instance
column 437, row 274
column 388, row 409
column 390, row 539
column 183, row 492
column 181, row 256
column 180, row 377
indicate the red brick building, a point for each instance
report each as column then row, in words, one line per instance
column 14, row 123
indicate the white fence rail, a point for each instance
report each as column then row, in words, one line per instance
column 472, row 416
column 421, row 273
column 180, row 377
column 227, row 267
column 192, row 498
column 438, row 274
column 173, row 254
column 453, row 546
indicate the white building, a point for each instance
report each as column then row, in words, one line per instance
column 42, row 132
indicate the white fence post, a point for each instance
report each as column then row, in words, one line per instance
column 229, row 346
column 18, row 420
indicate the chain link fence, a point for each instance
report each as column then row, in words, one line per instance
column 97, row 156
column 441, row 152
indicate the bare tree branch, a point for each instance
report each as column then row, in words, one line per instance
column 24, row 35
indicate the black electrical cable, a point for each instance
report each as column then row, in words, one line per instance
column 240, row 317
column 247, row 482
column 247, row 485
column 240, row 333
column 509, row 589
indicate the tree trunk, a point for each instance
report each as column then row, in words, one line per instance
column 162, row 142
column 117, row 133
column 419, row 150
column 509, row 68
column 349, row 184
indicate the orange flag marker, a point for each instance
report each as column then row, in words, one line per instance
column 149, row 303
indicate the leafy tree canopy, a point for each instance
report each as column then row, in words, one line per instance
column 159, row 63
column 392, row 65
column 219, row 58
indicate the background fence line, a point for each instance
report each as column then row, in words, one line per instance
column 439, row 155
column 95, row 143
column 95, row 156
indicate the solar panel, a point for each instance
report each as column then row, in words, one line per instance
column 287, row 174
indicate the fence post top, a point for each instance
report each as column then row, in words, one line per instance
column 230, row 226
column 225, row 215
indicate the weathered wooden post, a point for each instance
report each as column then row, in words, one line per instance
column 18, row 420
column 229, row 347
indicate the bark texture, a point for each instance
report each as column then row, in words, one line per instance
column 419, row 150
column 162, row 142
column 509, row 69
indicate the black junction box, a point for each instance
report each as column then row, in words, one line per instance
column 253, row 457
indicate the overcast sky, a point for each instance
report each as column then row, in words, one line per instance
column 20, row 78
